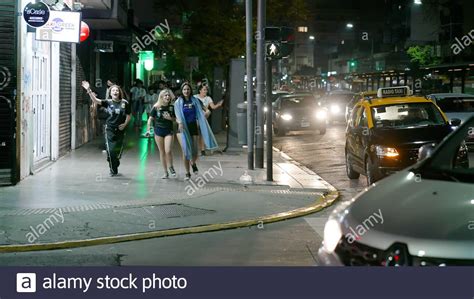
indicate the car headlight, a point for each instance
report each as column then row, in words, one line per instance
column 286, row 117
column 321, row 114
column 335, row 109
column 383, row 151
column 332, row 234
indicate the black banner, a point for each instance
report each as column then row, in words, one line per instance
column 226, row 282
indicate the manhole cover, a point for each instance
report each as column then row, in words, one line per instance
column 164, row 211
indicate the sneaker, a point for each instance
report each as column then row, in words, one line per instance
column 165, row 176
column 203, row 153
column 172, row 171
column 195, row 168
column 187, row 177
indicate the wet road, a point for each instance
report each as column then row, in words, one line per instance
column 324, row 154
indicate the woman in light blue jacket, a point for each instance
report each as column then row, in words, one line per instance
column 190, row 116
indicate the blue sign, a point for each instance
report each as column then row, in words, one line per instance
column 36, row 14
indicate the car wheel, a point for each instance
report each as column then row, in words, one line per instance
column 369, row 172
column 351, row 173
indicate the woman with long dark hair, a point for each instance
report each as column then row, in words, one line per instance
column 118, row 110
column 191, row 119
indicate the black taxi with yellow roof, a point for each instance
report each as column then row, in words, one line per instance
column 385, row 133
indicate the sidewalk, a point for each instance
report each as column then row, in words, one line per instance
column 73, row 202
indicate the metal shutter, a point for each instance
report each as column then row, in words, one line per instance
column 7, row 92
column 65, row 99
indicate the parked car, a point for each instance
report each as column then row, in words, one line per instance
column 335, row 103
column 384, row 134
column 455, row 105
column 421, row 216
column 296, row 112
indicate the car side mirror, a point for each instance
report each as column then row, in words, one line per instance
column 425, row 151
column 455, row 122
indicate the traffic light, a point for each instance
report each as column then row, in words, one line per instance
column 287, row 37
column 273, row 50
column 353, row 65
column 280, row 41
column 272, row 34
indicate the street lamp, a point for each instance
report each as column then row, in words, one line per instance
column 350, row 25
column 417, row 2
column 311, row 37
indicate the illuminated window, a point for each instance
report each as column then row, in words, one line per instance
column 302, row 29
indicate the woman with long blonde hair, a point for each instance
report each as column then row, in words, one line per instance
column 163, row 115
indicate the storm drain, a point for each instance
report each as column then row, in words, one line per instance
column 164, row 211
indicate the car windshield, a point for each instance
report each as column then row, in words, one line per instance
column 450, row 105
column 407, row 115
column 298, row 102
column 454, row 161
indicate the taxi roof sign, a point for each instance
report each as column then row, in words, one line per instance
column 399, row 91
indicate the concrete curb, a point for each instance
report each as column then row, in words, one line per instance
column 321, row 203
column 328, row 199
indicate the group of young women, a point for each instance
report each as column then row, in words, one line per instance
column 188, row 111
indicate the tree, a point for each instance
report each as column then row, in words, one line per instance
column 287, row 13
column 423, row 55
column 214, row 30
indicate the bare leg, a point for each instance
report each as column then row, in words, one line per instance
column 201, row 143
column 185, row 161
column 195, row 149
column 160, row 141
column 168, row 150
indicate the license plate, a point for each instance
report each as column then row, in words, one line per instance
column 305, row 124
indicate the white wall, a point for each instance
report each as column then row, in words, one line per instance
column 26, row 49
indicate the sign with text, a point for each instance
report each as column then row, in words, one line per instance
column 103, row 46
column 63, row 26
column 393, row 92
column 36, row 14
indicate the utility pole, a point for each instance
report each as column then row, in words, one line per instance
column 260, row 82
column 269, row 64
column 250, row 109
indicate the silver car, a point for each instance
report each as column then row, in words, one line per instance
column 455, row 105
column 421, row 216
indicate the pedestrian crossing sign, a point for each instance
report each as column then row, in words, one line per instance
column 273, row 50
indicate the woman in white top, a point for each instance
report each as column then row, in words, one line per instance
column 207, row 103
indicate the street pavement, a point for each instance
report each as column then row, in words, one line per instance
column 89, row 205
column 323, row 154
